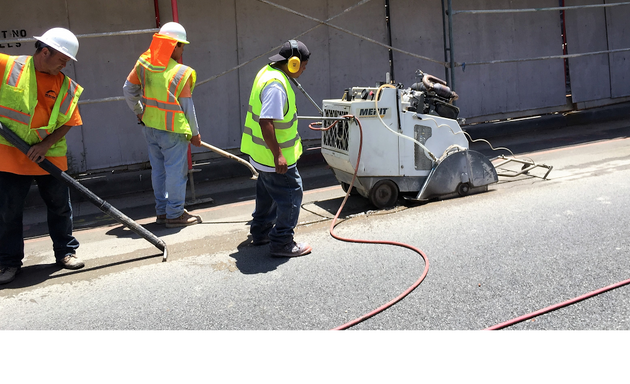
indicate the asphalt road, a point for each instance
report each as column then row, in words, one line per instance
column 525, row 244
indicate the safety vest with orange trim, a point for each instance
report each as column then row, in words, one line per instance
column 18, row 98
column 162, row 80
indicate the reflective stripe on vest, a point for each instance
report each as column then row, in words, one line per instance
column 259, row 141
column 16, row 71
column 68, row 97
column 13, row 79
column 276, row 125
column 287, row 136
column 18, row 98
column 17, row 116
column 151, row 67
column 169, row 107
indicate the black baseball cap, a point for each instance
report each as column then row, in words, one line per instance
column 286, row 52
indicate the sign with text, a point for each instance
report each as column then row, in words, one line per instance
column 12, row 34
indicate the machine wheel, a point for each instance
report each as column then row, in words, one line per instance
column 463, row 189
column 384, row 194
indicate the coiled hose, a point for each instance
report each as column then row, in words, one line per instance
column 332, row 233
column 426, row 260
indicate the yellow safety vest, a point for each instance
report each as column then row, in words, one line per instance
column 286, row 130
column 161, row 86
column 18, row 98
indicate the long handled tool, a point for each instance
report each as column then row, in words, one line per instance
column 233, row 157
column 104, row 206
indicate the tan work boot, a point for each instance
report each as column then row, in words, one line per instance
column 160, row 219
column 184, row 220
column 71, row 261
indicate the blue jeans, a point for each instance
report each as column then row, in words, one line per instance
column 168, row 154
column 278, row 201
column 55, row 193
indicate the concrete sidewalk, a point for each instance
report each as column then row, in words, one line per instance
column 226, row 181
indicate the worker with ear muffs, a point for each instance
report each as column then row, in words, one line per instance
column 159, row 91
column 271, row 140
column 39, row 104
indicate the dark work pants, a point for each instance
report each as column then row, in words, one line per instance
column 278, row 202
column 13, row 192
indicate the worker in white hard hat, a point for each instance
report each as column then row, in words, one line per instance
column 39, row 103
column 159, row 91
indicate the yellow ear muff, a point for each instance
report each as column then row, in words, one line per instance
column 293, row 64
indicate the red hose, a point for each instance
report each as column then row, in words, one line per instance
column 426, row 268
column 332, row 226
column 557, row 306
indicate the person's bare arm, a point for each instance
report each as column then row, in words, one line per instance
column 269, row 134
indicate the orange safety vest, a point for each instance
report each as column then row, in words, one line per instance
column 163, row 80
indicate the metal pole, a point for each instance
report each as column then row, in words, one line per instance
column 389, row 42
column 156, row 5
column 321, row 112
column 446, row 47
column 191, row 171
column 175, row 11
column 450, row 45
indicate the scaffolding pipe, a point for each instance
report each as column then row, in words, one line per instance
column 450, row 45
column 480, row 11
column 389, row 41
column 569, row 56
column 91, row 35
column 156, row 5
column 444, row 34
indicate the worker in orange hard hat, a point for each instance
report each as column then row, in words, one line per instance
column 41, row 115
column 159, row 91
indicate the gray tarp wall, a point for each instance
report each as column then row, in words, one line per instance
column 228, row 33
column 598, row 79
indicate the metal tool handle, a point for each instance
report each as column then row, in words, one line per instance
column 104, row 206
column 233, row 157
column 321, row 112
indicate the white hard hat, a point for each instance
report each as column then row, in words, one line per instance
column 61, row 40
column 174, row 30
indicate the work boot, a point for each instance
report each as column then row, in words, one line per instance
column 292, row 249
column 7, row 274
column 160, row 219
column 184, row 220
column 261, row 241
column 71, row 261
